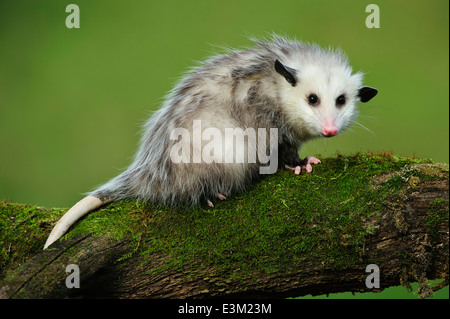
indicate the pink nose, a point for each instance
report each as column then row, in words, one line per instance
column 329, row 131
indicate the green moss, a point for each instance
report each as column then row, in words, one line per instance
column 280, row 223
column 23, row 229
column 435, row 217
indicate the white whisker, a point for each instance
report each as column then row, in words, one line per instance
column 365, row 127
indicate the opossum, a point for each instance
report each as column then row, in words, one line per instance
column 299, row 89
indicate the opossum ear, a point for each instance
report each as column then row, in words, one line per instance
column 366, row 93
column 287, row 72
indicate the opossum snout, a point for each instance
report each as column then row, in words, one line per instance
column 329, row 130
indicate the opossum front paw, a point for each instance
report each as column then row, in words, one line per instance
column 306, row 164
column 218, row 196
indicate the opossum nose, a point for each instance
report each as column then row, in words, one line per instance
column 329, row 131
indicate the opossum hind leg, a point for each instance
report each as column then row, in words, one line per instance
column 218, row 196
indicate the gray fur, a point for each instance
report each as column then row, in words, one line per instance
column 239, row 89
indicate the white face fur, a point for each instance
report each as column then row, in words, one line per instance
column 321, row 99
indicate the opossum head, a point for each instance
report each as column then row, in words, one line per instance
column 321, row 94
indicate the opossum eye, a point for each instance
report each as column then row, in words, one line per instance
column 313, row 99
column 340, row 100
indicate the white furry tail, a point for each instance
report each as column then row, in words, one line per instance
column 80, row 209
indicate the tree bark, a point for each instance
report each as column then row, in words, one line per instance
column 402, row 245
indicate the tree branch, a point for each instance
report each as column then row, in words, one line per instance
column 396, row 219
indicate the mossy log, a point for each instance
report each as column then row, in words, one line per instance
column 287, row 236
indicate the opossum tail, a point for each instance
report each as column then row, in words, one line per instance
column 80, row 209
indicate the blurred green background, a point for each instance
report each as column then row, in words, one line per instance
column 72, row 101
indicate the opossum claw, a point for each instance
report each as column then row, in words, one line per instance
column 296, row 169
column 307, row 166
column 218, row 196
column 310, row 160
